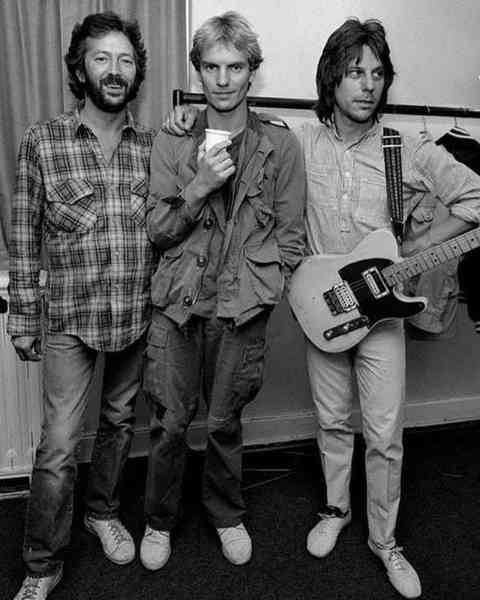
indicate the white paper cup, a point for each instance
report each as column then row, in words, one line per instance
column 213, row 136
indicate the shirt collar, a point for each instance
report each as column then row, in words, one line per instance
column 80, row 127
column 371, row 132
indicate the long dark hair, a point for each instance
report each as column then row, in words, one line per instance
column 344, row 46
column 97, row 25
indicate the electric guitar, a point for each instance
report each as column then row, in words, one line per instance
column 338, row 299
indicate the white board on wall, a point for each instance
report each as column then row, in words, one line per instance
column 435, row 44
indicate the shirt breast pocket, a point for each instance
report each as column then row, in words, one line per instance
column 138, row 200
column 373, row 210
column 322, row 185
column 71, row 206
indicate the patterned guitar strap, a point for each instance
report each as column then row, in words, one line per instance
column 392, row 144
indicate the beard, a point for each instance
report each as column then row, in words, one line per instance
column 99, row 97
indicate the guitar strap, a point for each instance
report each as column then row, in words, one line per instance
column 392, row 144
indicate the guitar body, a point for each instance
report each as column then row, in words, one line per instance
column 338, row 299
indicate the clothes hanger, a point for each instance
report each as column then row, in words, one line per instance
column 425, row 131
column 458, row 130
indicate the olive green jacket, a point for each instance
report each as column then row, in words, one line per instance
column 262, row 242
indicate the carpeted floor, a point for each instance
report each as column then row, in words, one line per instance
column 439, row 527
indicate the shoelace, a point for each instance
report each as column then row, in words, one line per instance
column 30, row 588
column 156, row 533
column 117, row 532
column 328, row 519
column 240, row 534
column 396, row 558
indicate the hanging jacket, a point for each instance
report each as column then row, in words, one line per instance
column 466, row 149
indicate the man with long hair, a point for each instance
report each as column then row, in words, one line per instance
column 228, row 221
column 347, row 200
column 82, row 183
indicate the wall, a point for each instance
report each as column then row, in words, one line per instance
column 443, row 381
column 437, row 61
column 434, row 46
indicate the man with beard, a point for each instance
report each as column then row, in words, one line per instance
column 82, row 181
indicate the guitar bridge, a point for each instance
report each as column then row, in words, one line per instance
column 340, row 299
column 345, row 328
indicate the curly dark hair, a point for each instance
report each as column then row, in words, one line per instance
column 342, row 47
column 97, row 25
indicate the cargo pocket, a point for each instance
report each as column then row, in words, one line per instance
column 154, row 364
column 249, row 376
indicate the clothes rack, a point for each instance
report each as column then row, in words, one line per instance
column 181, row 97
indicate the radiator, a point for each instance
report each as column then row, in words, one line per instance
column 20, row 403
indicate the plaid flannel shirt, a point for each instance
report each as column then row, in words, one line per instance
column 90, row 218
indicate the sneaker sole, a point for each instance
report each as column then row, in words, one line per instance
column 237, row 563
column 90, row 529
column 154, row 566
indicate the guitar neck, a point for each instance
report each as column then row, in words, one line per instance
column 432, row 257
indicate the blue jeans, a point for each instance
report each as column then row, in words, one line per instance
column 68, row 371
column 226, row 364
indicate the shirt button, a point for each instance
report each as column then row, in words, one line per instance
column 187, row 301
column 208, row 223
column 201, row 261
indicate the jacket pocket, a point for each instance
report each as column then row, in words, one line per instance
column 263, row 272
column 138, row 200
column 165, row 275
column 71, row 206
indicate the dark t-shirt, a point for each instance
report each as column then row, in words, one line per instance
column 206, row 304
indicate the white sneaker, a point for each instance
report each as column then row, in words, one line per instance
column 236, row 544
column 117, row 543
column 38, row 588
column 155, row 548
column 402, row 575
column 322, row 538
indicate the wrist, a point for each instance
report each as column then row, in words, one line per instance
column 195, row 191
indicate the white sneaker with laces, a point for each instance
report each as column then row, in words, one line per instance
column 38, row 588
column 236, row 544
column 402, row 575
column 322, row 538
column 155, row 548
column 117, row 543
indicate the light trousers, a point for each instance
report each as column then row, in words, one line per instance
column 375, row 370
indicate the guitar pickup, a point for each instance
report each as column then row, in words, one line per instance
column 345, row 328
column 340, row 299
column 375, row 282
